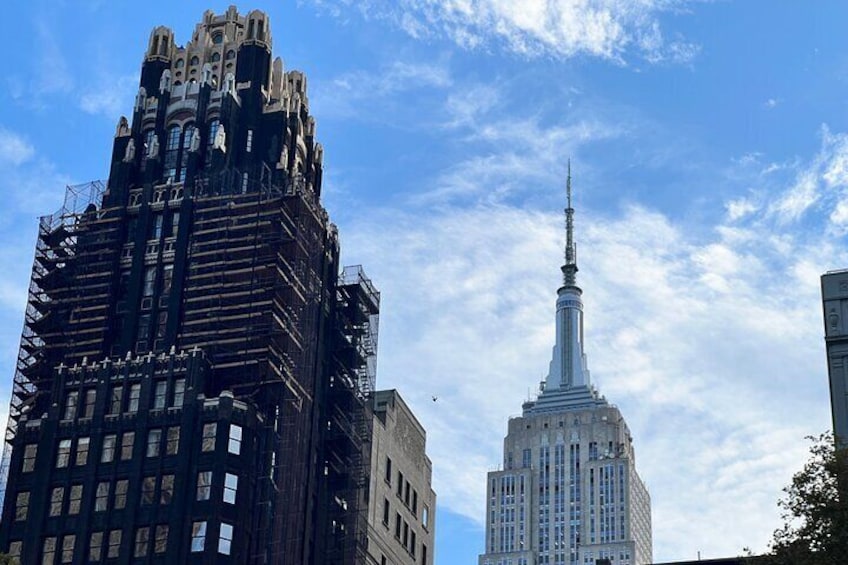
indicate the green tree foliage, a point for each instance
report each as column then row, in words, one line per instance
column 6, row 560
column 815, row 510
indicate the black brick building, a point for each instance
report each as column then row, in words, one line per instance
column 193, row 372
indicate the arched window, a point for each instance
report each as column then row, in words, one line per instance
column 194, row 60
column 172, row 151
column 217, row 38
column 180, row 63
column 231, row 54
column 216, row 57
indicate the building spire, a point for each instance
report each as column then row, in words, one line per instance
column 569, row 269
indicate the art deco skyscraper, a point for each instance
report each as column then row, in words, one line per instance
column 193, row 377
column 569, row 492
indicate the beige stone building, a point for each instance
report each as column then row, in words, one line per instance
column 402, row 508
column 568, row 492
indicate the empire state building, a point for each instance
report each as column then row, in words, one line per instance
column 569, row 492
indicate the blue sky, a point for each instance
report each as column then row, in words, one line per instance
column 709, row 146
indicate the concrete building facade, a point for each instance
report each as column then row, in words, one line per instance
column 402, row 513
column 568, row 491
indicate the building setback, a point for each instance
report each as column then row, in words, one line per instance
column 401, row 516
column 569, row 492
column 194, row 375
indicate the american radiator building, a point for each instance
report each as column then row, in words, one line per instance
column 195, row 370
column 569, row 492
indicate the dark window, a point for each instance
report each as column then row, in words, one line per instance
column 56, row 497
column 121, row 488
column 114, row 544
column 116, row 400
column 21, row 506
column 88, row 406
column 160, row 543
column 30, row 451
column 172, row 446
column 388, row 470
column 75, row 499
column 148, row 490
column 210, row 434
column 386, row 511
column 166, row 493
column 142, row 540
column 95, row 546
column 127, row 440
column 154, row 440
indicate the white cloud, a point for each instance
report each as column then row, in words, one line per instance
column 109, row 96
column 14, row 149
column 771, row 103
column 563, row 28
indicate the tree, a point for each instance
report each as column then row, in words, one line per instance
column 815, row 510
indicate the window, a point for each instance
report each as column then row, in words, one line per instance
column 116, row 400
column 114, row 544
column 95, row 546
column 400, row 484
column 121, row 488
column 386, row 511
column 230, row 55
column 108, row 454
column 88, row 405
column 397, row 525
column 245, row 181
column 160, row 543
column 425, row 516
column 167, row 281
column 210, row 141
column 204, row 485
column 15, row 549
column 159, row 394
column 64, row 454
column 75, row 499
column 234, row 445
column 172, row 445
column 21, row 506
column 248, row 146
column 30, row 452
column 198, row 536
column 423, row 554
column 210, row 433
column 135, row 394
column 154, row 440
column 179, row 392
column 101, row 497
column 412, row 543
column 56, row 497
column 48, row 551
column 414, row 502
column 68, row 543
column 148, row 490
column 172, row 148
column 388, row 470
column 167, row 491
column 71, row 402
column 158, row 221
column 225, row 539
column 127, row 445
column 142, row 540
column 83, row 444
column 406, row 494
column 230, row 488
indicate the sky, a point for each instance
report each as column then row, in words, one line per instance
column 709, row 150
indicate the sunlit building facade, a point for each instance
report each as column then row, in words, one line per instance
column 568, row 492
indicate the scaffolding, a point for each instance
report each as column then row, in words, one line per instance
column 349, row 417
column 66, row 317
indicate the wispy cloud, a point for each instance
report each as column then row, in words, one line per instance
column 14, row 149
column 109, row 96
column 608, row 29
